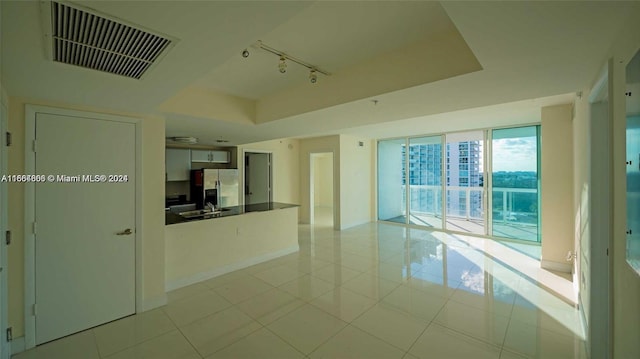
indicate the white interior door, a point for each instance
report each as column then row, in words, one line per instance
column 4, row 348
column 257, row 177
column 85, row 265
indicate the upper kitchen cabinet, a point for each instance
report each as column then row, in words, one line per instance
column 178, row 164
column 210, row 156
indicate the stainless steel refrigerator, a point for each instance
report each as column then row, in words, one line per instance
column 216, row 186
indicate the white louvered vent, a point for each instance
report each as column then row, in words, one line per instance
column 84, row 39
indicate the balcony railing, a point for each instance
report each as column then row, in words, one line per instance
column 509, row 204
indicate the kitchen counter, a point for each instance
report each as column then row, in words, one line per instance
column 197, row 249
column 174, row 218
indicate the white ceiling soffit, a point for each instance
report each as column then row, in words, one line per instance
column 81, row 37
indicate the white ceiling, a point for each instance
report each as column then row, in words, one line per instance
column 330, row 35
column 526, row 50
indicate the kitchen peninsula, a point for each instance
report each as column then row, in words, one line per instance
column 240, row 236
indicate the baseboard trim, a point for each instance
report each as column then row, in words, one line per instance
column 154, row 302
column 556, row 266
column 17, row 345
column 199, row 277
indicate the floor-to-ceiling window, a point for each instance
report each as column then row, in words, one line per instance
column 441, row 181
column 465, row 182
column 424, row 178
column 515, row 182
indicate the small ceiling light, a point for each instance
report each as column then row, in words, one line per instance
column 222, row 141
column 313, row 77
column 245, row 53
column 282, row 66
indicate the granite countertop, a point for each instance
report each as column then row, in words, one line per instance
column 173, row 218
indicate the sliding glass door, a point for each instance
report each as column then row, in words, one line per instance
column 465, row 182
column 392, row 193
column 425, row 181
column 440, row 182
column 515, row 183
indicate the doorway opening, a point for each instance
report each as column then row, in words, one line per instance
column 321, row 201
column 257, row 177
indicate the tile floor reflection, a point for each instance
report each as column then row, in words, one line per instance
column 373, row 291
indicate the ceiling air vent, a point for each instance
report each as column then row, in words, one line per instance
column 88, row 40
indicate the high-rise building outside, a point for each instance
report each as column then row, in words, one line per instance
column 463, row 169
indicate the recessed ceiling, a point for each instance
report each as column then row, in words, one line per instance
column 500, row 52
column 331, row 35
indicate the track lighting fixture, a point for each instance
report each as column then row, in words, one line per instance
column 282, row 66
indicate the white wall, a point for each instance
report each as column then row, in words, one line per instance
column 581, row 200
column 285, row 167
column 200, row 250
column 355, row 181
column 592, row 208
column 557, row 186
column 152, row 208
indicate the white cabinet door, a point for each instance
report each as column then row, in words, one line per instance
column 178, row 164
column 85, row 242
column 210, row 156
column 220, row 156
column 200, row 156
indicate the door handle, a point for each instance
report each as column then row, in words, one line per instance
column 126, row 232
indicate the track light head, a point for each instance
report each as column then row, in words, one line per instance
column 282, row 66
column 245, row 53
column 313, row 77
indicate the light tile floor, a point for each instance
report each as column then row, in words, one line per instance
column 373, row 291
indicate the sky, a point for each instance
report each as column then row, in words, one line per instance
column 514, row 154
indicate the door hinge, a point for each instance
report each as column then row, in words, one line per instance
column 7, row 237
column 9, row 334
column 34, row 146
column 34, row 228
column 34, row 310
column 8, row 138
column 607, row 251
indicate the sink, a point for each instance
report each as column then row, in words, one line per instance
column 203, row 213
column 196, row 212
